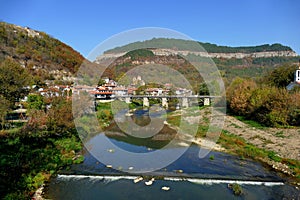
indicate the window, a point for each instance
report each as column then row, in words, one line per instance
column 298, row 75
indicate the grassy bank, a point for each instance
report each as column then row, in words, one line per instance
column 27, row 161
column 33, row 151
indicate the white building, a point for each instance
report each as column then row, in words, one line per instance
column 297, row 76
column 296, row 82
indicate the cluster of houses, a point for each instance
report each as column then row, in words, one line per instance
column 52, row 91
column 110, row 90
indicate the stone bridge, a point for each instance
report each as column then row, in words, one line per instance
column 184, row 99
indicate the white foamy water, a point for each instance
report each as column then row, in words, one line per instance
column 109, row 178
column 113, row 178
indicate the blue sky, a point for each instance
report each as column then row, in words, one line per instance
column 84, row 24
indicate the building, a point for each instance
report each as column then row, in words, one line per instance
column 120, row 91
column 297, row 76
column 156, row 91
column 102, row 95
column 296, row 82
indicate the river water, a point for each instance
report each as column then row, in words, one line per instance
column 189, row 177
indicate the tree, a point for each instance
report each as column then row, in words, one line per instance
column 203, row 89
column 4, row 108
column 239, row 94
column 60, row 118
column 13, row 80
column 101, row 82
column 281, row 76
column 35, row 101
column 258, row 99
column 37, row 121
column 234, row 84
column 275, row 111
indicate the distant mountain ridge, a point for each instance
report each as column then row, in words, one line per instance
column 163, row 46
column 231, row 61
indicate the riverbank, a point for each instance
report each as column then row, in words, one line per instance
column 275, row 147
column 199, row 178
column 29, row 160
column 234, row 139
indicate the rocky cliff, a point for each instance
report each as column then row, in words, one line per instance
column 167, row 52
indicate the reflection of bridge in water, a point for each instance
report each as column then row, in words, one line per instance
column 184, row 99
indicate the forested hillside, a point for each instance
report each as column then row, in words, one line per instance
column 45, row 140
column 37, row 51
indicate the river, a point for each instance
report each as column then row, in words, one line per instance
column 188, row 177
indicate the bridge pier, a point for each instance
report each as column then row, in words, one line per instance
column 206, row 101
column 145, row 102
column 164, row 102
column 127, row 100
column 185, row 102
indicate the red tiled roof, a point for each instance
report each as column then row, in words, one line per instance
column 100, row 92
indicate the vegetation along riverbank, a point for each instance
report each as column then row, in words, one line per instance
column 276, row 147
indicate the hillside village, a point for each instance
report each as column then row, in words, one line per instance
column 108, row 90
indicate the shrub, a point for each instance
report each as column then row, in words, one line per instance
column 239, row 94
column 268, row 105
column 237, row 189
